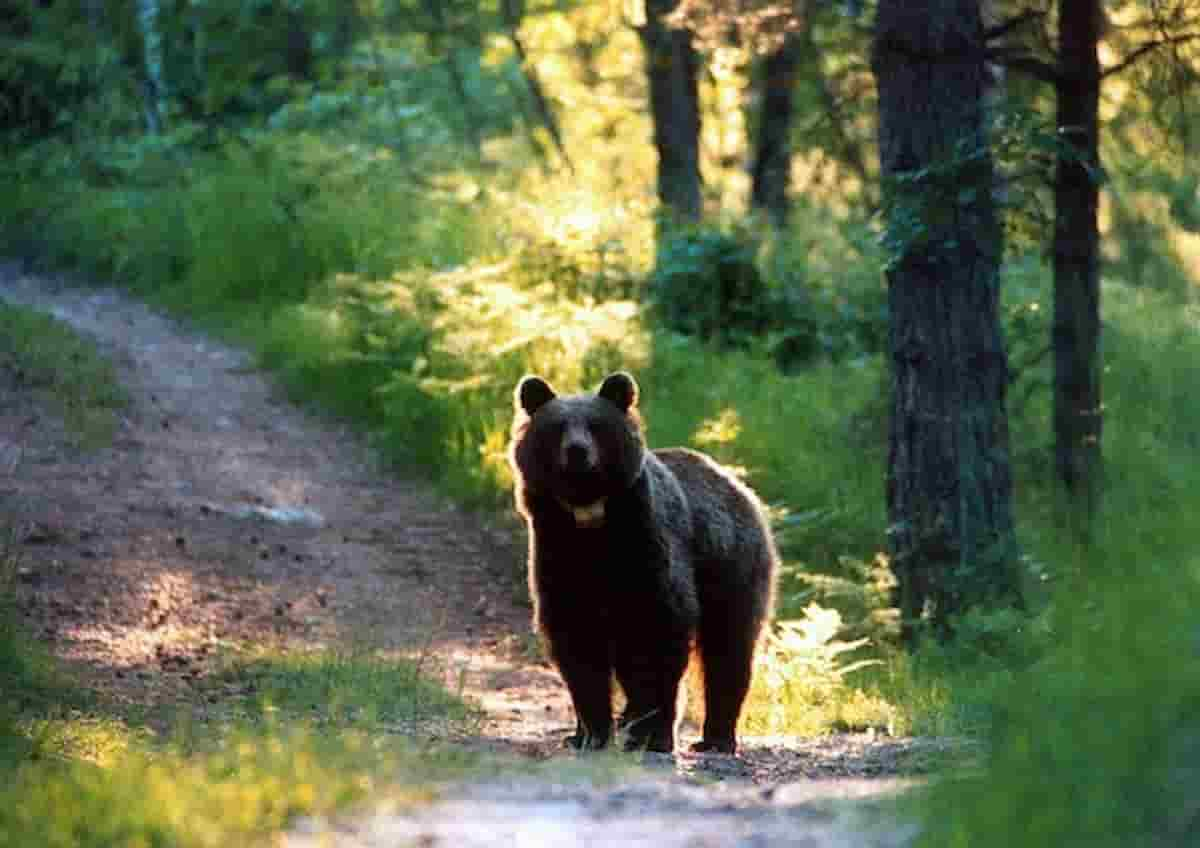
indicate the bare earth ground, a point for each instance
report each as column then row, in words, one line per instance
column 221, row 515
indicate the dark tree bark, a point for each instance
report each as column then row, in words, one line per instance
column 672, row 69
column 949, row 490
column 772, row 164
column 1076, row 334
column 298, row 52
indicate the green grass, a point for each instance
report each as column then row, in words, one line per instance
column 341, row 689
column 306, row 734
column 237, row 790
column 64, row 370
column 315, row 733
column 1096, row 743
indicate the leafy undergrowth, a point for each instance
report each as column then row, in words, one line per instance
column 1098, row 743
column 800, row 683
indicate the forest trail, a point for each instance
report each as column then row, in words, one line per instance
column 222, row 515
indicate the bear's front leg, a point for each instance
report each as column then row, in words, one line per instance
column 650, row 669
column 584, row 662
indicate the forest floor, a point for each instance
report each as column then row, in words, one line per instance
column 223, row 515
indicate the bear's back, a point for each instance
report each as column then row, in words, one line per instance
column 726, row 516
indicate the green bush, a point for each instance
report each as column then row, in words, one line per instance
column 1099, row 743
column 714, row 285
column 706, row 283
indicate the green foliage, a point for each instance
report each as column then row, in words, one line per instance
column 336, row 689
column 1076, row 746
column 261, row 203
column 51, row 64
column 238, row 789
column 800, row 681
column 706, row 283
column 721, row 287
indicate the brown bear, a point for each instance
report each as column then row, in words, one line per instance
column 637, row 557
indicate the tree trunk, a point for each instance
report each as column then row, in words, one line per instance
column 772, row 166
column 672, row 69
column 1076, row 334
column 949, row 490
column 299, row 57
column 93, row 12
column 152, row 56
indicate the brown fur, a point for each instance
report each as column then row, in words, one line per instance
column 636, row 557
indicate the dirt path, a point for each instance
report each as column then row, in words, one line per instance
column 651, row 813
column 222, row 514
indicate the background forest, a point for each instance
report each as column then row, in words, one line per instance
column 894, row 261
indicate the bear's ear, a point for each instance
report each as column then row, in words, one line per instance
column 620, row 388
column 532, row 394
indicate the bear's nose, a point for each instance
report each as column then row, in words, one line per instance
column 577, row 457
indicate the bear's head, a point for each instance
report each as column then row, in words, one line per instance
column 578, row 449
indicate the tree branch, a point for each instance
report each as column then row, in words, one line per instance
column 1143, row 50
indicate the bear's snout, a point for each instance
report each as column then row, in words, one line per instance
column 578, row 451
column 578, row 456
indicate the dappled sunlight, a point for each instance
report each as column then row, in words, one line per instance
column 520, row 699
column 718, row 436
column 720, row 430
column 1187, row 247
column 147, row 630
column 487, row 317
column 724, row 131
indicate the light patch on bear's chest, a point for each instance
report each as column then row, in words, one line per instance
column 588, row 516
